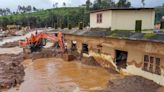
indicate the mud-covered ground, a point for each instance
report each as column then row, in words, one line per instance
column 11, row 70
column 131, row 84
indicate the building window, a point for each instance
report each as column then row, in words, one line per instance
column 99, row 18
column 152, row 64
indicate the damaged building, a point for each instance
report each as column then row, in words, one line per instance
column 129, row 52
column 134, row 53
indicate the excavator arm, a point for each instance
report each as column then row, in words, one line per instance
column 36, row 41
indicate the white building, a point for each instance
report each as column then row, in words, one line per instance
column 123, row 19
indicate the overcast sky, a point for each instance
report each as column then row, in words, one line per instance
column 12, row 4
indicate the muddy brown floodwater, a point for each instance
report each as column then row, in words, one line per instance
column 56, row 75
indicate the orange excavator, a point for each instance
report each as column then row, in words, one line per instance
column 36, row 42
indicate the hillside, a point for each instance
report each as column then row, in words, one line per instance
column 49, row 17
column 57, row 17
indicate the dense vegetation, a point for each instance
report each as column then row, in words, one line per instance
column 61, row 17
column 49, row 18
column 56, row 17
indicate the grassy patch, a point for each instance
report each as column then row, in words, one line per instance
column 149, row 35
column 123, row 30
column 114, row 35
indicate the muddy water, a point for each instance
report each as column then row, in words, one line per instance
column 160, row 89
column 56, row 75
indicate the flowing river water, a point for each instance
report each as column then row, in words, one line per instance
column 56, row 75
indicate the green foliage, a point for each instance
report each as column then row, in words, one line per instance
column 48, row 17
column 103, row 4
column 114, row 34
column 81, row 25
column 69, row 26
column 123, row 4
column 88, row 4
column 149, row 35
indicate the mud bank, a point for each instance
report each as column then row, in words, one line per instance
column 11, row 70
column 44, row 53
column 131, row 84
column 51, row 52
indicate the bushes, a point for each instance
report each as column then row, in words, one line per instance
column 81, row 25
column 48, row 17
column 149, row 35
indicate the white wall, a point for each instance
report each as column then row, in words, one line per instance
column 125, row 19
column 106, row 20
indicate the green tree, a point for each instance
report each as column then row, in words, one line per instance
column 103, row 4
column 123, row 4
column 88, row 4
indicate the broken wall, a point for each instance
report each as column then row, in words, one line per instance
column 104, row 50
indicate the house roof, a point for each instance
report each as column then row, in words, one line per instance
column 121, row 9
column 153, row 37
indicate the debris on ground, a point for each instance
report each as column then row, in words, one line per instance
column 131, row 84
column 89, row 61
column 11, row 70
column 44, row 53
